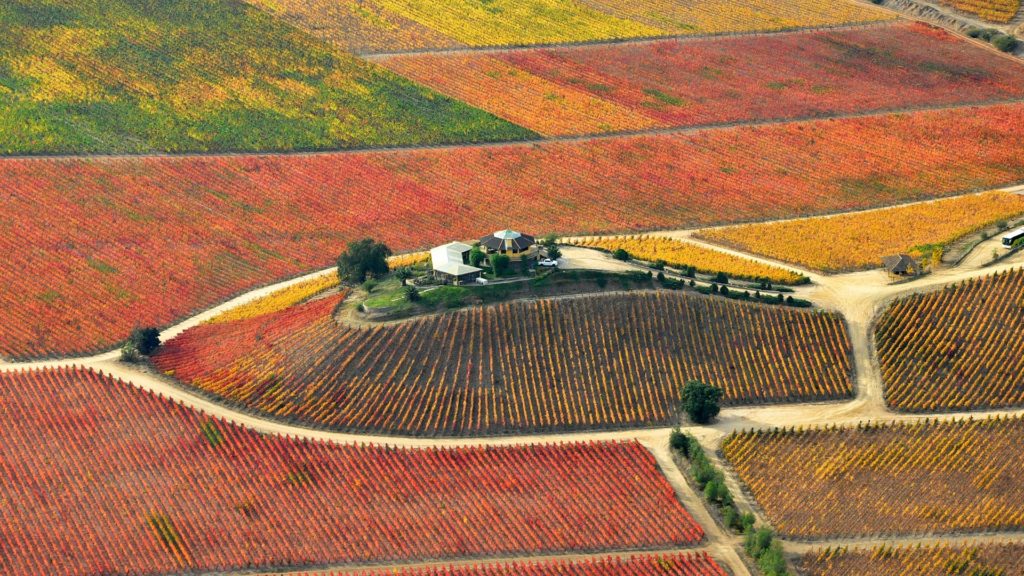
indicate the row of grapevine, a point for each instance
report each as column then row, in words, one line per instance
column 682, row 254
column 145, row 241
column 860, row 240
column 280, row 299
column 677, row 564
column 997, row 559
column 370, row 26
column 596, row 361
column 98, row 477
column 885, row 479
column 609, row 88
column 960, row 348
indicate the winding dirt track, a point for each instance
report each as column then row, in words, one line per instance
column 858, row 296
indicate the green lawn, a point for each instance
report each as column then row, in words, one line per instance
column 113, row 76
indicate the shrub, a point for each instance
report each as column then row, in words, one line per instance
column 1005, row 42
column 412, row 294
column 722, row 278
column 659, row 264
column 700, row 401
column 476, row 256
column 620, row 254
column 362, row 259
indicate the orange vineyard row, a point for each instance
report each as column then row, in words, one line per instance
column 956, row 349
column 929, row 560
column 879, row 479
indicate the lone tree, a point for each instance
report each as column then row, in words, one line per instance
column 362, row 259
column 142, row 342
column 700, row 401
column 403, row 274
column 551, row 249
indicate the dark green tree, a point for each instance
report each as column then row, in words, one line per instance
column 362, row 259
column 476, row 256
column 700, row 401
column 403, row 274
column 550, row 245
column 145, row 340
column 500, row 264
column 412, row 294
column 620, row 254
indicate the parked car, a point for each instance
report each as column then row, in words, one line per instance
column 548, row 263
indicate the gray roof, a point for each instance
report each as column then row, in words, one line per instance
column 507, row 239
column 899, row 264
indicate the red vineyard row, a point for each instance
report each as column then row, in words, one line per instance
column 94, row 247
column 98, row 477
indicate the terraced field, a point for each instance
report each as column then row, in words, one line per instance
column 144, row 241
column 621, row 87
column 99, row 477
column 957, row 349
column 115, row 76
column 591, row 362
column 903, row 478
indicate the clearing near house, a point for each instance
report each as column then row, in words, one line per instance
column 927, row 560
column 858, row 241
column 885, row 479
column 144, row 241
column 585, row 362
column 115, row 76
column 674, row 83
column 960, row 348
column 368, row 26
column 106, row 478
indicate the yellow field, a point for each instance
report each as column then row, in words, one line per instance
column 678, row 254
column 513, row 22
column 992, row 10
column 860, row 241
column 718, row 16
column 279, row 300
column 410, row 259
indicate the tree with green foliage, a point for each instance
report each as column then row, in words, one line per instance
column 500, row 264
column 403, row 274
column 621, row 254
column 412, row 294
column 700, row 401
column 363, row 258
column 145, row 340
column 476, row 256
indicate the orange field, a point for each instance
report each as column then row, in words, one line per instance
column 857, row 241
column 993, row 10
column 929, row 560
column 145, row 241
column 99, row 477
column 585, row 362
column 885, row 479
column 960, row 348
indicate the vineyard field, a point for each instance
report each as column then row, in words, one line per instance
column 885, row 479
column 859, row 241
column 961, row 348
column 674, row 83
column 587, row 362
column 677, row 564
column 102, row 478
column 1003, row 559
column 115, row 76
column 145, row 241
column 1000, row 11
column 385, row 26
column 680, row 254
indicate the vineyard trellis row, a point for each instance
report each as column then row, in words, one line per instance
column 586, row 362
column 100, row 477
column 959, row 348
column 208, row 228
column 676, row 564
column 929, row 560
column 885, row 479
